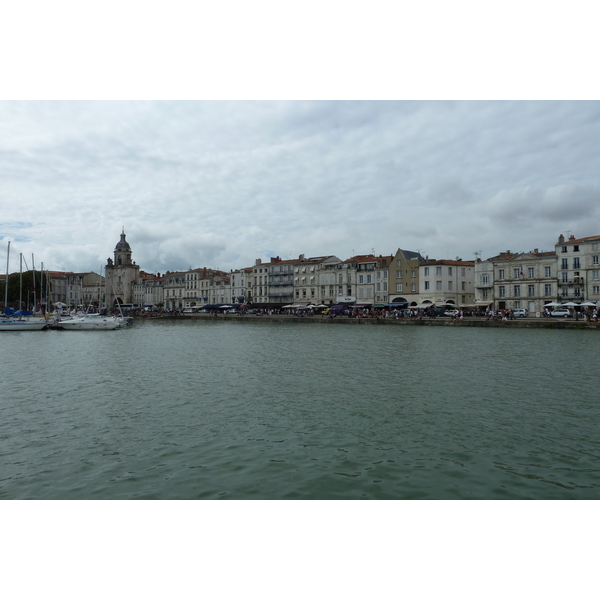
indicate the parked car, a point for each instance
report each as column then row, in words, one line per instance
column 520, row 312
column 561, row 312
column 451, row 313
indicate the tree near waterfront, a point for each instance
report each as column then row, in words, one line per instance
column 25, row 293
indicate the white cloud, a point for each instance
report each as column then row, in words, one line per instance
column 221, row 183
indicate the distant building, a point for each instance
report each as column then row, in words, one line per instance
column 121, row 275
column 448, row 282
column 516, row 280
column 404, row 277
column 578, row 264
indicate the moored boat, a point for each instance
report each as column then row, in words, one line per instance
column 21, row 325
column 89, row 322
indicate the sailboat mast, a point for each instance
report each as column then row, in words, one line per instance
column 33, row 277
column 6, row 282
column 20, row 281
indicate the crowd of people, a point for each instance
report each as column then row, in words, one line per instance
column 352, row 312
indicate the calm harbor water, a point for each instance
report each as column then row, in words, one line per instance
column 172, row 409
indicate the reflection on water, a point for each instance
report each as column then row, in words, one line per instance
column 174, row 409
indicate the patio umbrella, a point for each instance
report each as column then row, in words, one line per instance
column 553, row 304
column 588, row 304
column 570, row 304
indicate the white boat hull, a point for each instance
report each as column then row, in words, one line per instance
column 89, row 324
column 22, row 325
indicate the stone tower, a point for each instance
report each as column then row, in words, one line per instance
column 121, row 274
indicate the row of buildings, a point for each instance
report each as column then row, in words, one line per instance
column 570, row 273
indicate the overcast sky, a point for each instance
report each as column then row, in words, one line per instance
column 219, row 184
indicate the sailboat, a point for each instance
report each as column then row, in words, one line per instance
column 14, row 320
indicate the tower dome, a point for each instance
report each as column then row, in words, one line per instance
column 122, row 244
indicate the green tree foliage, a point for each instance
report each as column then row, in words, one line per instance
column 14, row 285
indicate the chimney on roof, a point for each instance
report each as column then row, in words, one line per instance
column 571, row 237
column 257, row 262
column 561, row 238
column 535, row 250
column 204, row 273
column 301, row 257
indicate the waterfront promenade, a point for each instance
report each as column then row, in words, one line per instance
column 531, row 322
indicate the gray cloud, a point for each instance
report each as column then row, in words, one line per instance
column 222, row 183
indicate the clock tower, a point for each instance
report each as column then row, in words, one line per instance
column 121, row 274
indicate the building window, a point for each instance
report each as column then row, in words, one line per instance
column 449, row 286
column 485, row 279
column 399, row 263
column 360, row 279
column 563, row 249
column 438, row 270
column 398, row 274
column 385, row 286
column 427, row 285
column 531, row 272
column 369, row 278
column 517, row 291
column 548, row 289
column 565, row 278
column 501, row 274
column 548, row 271
column 516, row 273
column 413, row 287
column 564, row 263
column 576, row 262
column 531, row 290
column 398, row 287
column 596, row 289
column 595, row 274
column 463, row 272
column 426, row 271
column 576, row 248
column 595, row 260
column 378, row 287
column 438, row 285
column 449, row 270
column 463, row 286
column 501, row 291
